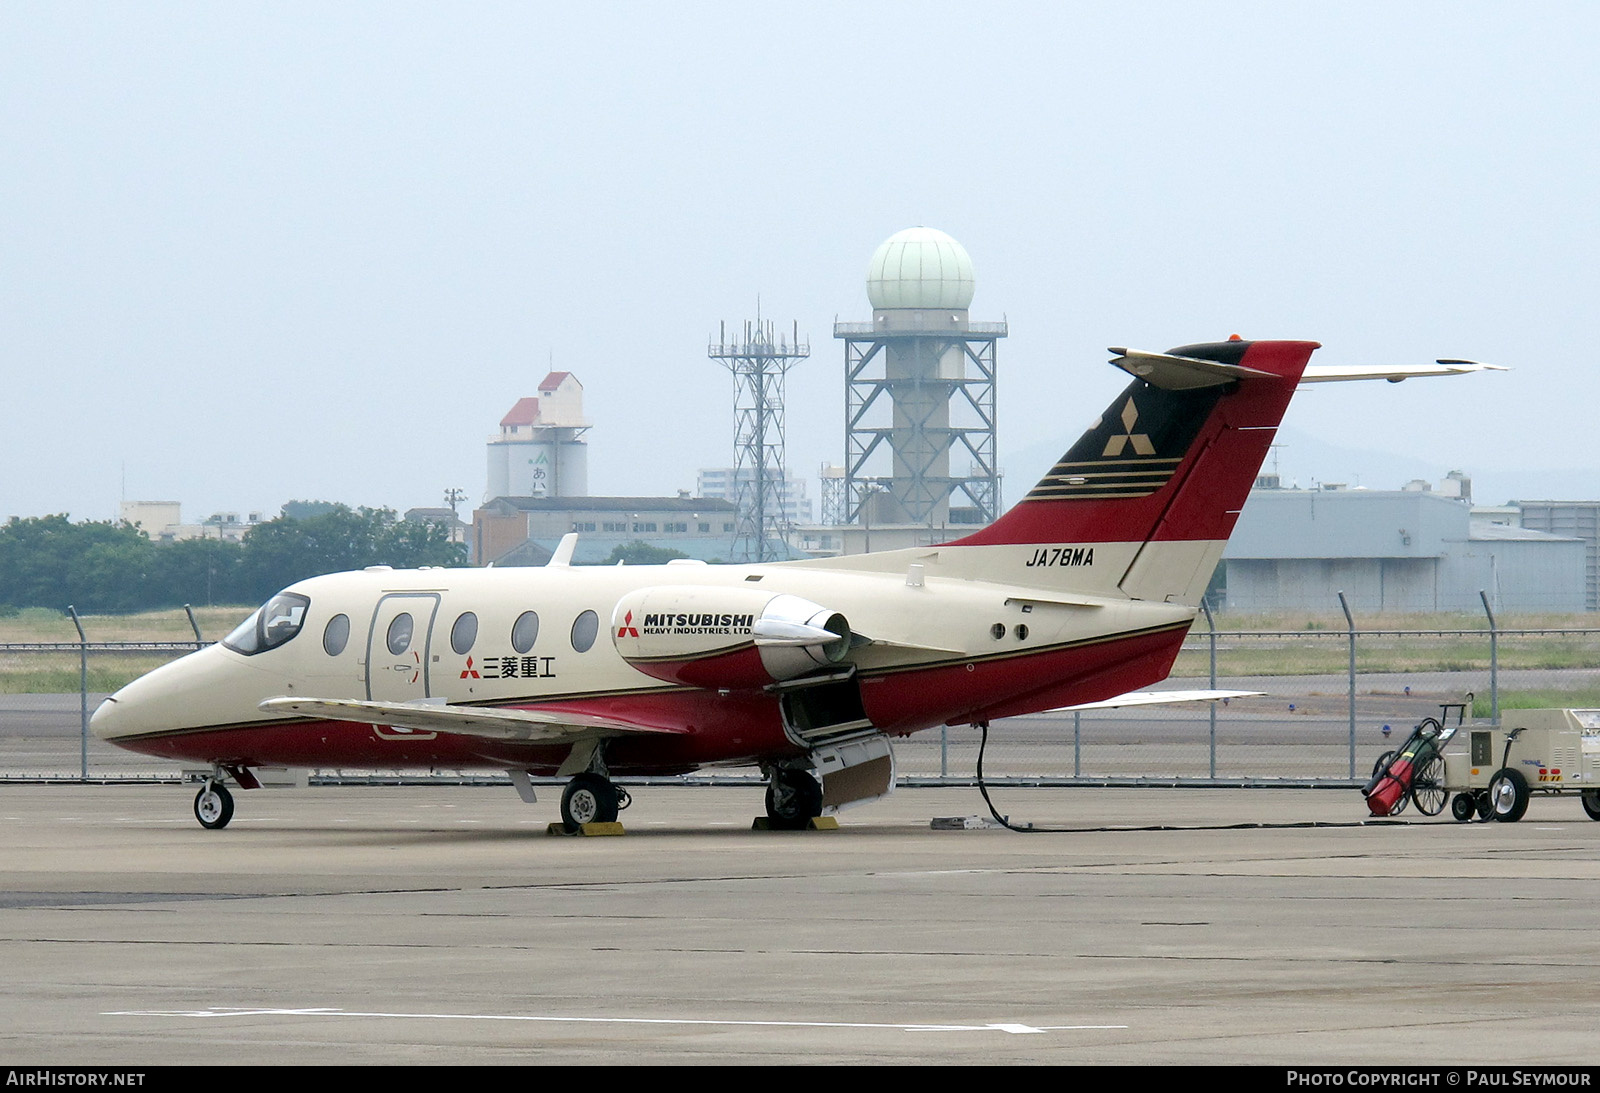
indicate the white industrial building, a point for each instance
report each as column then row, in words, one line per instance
column 539, row 450
column 1392, row 551
column 1576, row 519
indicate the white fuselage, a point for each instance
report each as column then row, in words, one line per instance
column 935, row 642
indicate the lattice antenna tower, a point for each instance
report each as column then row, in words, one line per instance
column 759, row 360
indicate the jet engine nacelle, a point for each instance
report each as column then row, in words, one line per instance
column 726, row 638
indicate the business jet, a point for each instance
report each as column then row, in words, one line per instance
column 1080, row 593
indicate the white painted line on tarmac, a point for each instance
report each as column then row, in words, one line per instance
column 1012, row 1027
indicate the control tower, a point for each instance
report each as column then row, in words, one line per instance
column 920, row 390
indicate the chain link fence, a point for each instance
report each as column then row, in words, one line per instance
column 1334, row 700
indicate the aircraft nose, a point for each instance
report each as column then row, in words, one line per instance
column 132, row 710
column 205, row 688
column 108, row 721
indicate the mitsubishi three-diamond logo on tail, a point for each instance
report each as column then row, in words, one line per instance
column 1133, row 449
column 1139, row 441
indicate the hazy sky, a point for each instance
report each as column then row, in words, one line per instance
column 261, row 252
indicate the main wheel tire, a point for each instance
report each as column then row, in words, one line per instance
column 1591, row 803
column 1508, row 795
column 213, row 806
column 588, row 799
column 794, row 798
column 1464, row 807
column 1485, row 806
column 1427, row 787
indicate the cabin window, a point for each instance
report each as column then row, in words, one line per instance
column 525, row 631
column 399, row 637
column 336, row 635
column 464, row 633
column 272, row 624
column 584, row 630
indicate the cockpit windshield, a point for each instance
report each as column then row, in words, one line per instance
column 272, row 624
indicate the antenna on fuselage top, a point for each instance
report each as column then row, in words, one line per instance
column 562, row 558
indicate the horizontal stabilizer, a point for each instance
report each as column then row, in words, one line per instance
column 1333, row 373
column 1174, row 373
column 1155, row 698
column 491, row 722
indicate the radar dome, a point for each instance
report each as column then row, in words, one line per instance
column 920, row 267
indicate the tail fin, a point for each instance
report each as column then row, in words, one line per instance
column 1171, row 461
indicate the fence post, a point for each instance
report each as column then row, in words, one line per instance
column 1494, row 661
column 1350, row 622
column 1077, row 752
column 1211, row 636
column 83, row 695
column 199, row 642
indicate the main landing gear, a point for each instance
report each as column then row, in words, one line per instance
column 591, row 799
column 794, row 798
column 213, row 805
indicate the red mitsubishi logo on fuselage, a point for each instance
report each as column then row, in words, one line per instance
column 627, row 629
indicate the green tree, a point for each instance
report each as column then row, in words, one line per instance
column 48, row 561
column 208, row 571
column 302, row 510
column 282, row 551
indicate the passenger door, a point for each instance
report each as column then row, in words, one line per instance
column 399, row 646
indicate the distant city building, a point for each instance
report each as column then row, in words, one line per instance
column 526, row 530
column 539, row 451
column 725, row 483
column 161, row 522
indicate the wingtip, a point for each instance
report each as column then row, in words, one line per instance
column 1471, row 366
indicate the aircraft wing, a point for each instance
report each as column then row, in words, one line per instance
column 492, row 722
column 1152, row 698
column 1333, row 373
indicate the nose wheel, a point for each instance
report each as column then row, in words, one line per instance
column 213, row 806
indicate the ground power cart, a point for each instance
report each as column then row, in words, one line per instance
column 1496, row 770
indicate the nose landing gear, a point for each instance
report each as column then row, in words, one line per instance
column 213, row 805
